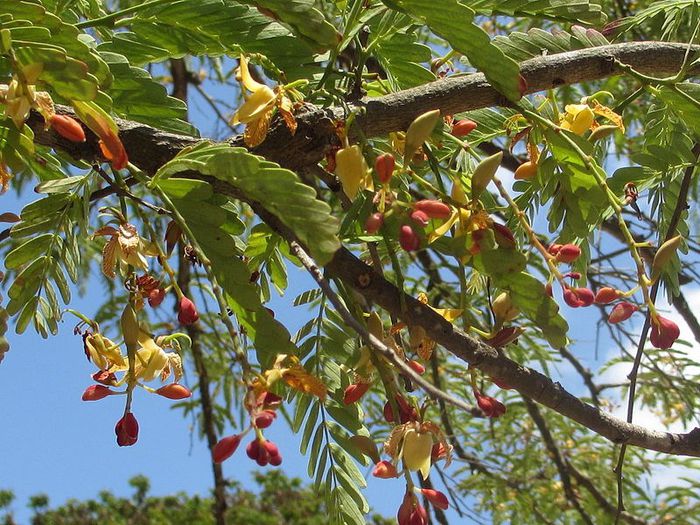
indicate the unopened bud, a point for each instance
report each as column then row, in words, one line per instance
column 174, row 391
column 225, row 448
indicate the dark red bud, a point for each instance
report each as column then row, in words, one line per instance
column 621, row 312
column 187, row 311
column 265, row 418
column 96, row 392
column 489, row 406
column 408, row 239
column 374, row 223
column 155, row 297
column 225, row 448
column 664, row 332
column 127, row 430
column 420, row 217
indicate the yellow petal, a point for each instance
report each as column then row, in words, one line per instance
column 261, row 101
column 578, row 119
column 243, row 75
column 417, row 447
column 351, row 169
column 109, row 257
column 443, row 228
column 256, row 130
column 299, row 379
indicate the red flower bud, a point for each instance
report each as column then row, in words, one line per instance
column 174, row 391
column 96, row 392
column 420, row 217
column 607, row 295
column 436, row 497
column 574, row 275
column 385, row 470
column 270, row 400
column 265, row 418
column 374, row 223
column 489, row 406
column 522, row 85
column 253, row 449
column 462, row 128
column 276, row 461
column 576, row 297
column 225, row 448
column 155, row 297
column 68, row 128
column 271, row 448
column 406, row 412
column 554, row 249
column 354, row 392
column 433, row 209
column 411, row 512
column 408, row 239
column 384, row 166
column 621, row 312
column 105, row 378
column 568, row 253
column 416, row 367
column 127, row 430
column 548, row 289
column 664, row 332
column 187, row 311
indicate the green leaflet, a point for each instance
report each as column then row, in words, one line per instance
column 39, row 36
column 136, row 96
column 454, row 22
column 211, row 27
column 529, row 295
column 400, row 55
column 278, row 190
column 208, row 219
column 304, row 18
column 562, row 10
column 523, row 46
column 685, row 100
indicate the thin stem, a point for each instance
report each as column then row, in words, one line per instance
column 108, row 20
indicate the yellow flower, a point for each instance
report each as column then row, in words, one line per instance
column 578, row 118
column 104, row 353
column 125, row 246
column 295, row 376
column 151, row 359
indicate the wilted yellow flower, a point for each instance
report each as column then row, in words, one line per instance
column 125, row 246
column 104, row 353
column 258, row 106
column 295, row 376
column 578, row 118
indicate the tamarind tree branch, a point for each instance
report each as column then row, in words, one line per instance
column 149, row 148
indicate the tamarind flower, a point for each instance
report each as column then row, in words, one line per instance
column 413, row 442
column 259, row 105
column 578, row 118
column 124, row 246
column 289, row 369
column 664, row 332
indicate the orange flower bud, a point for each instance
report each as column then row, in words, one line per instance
column 416, row 367
column 607, row 295
column 225, row 448
column 384, row 166
column 436, row 497
column 621, row 312
column 68, row 128
column 354, row 392
column 113, row 150
column 385, row 470
column 174, row 391
column 526, row 171
column 462, row 128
